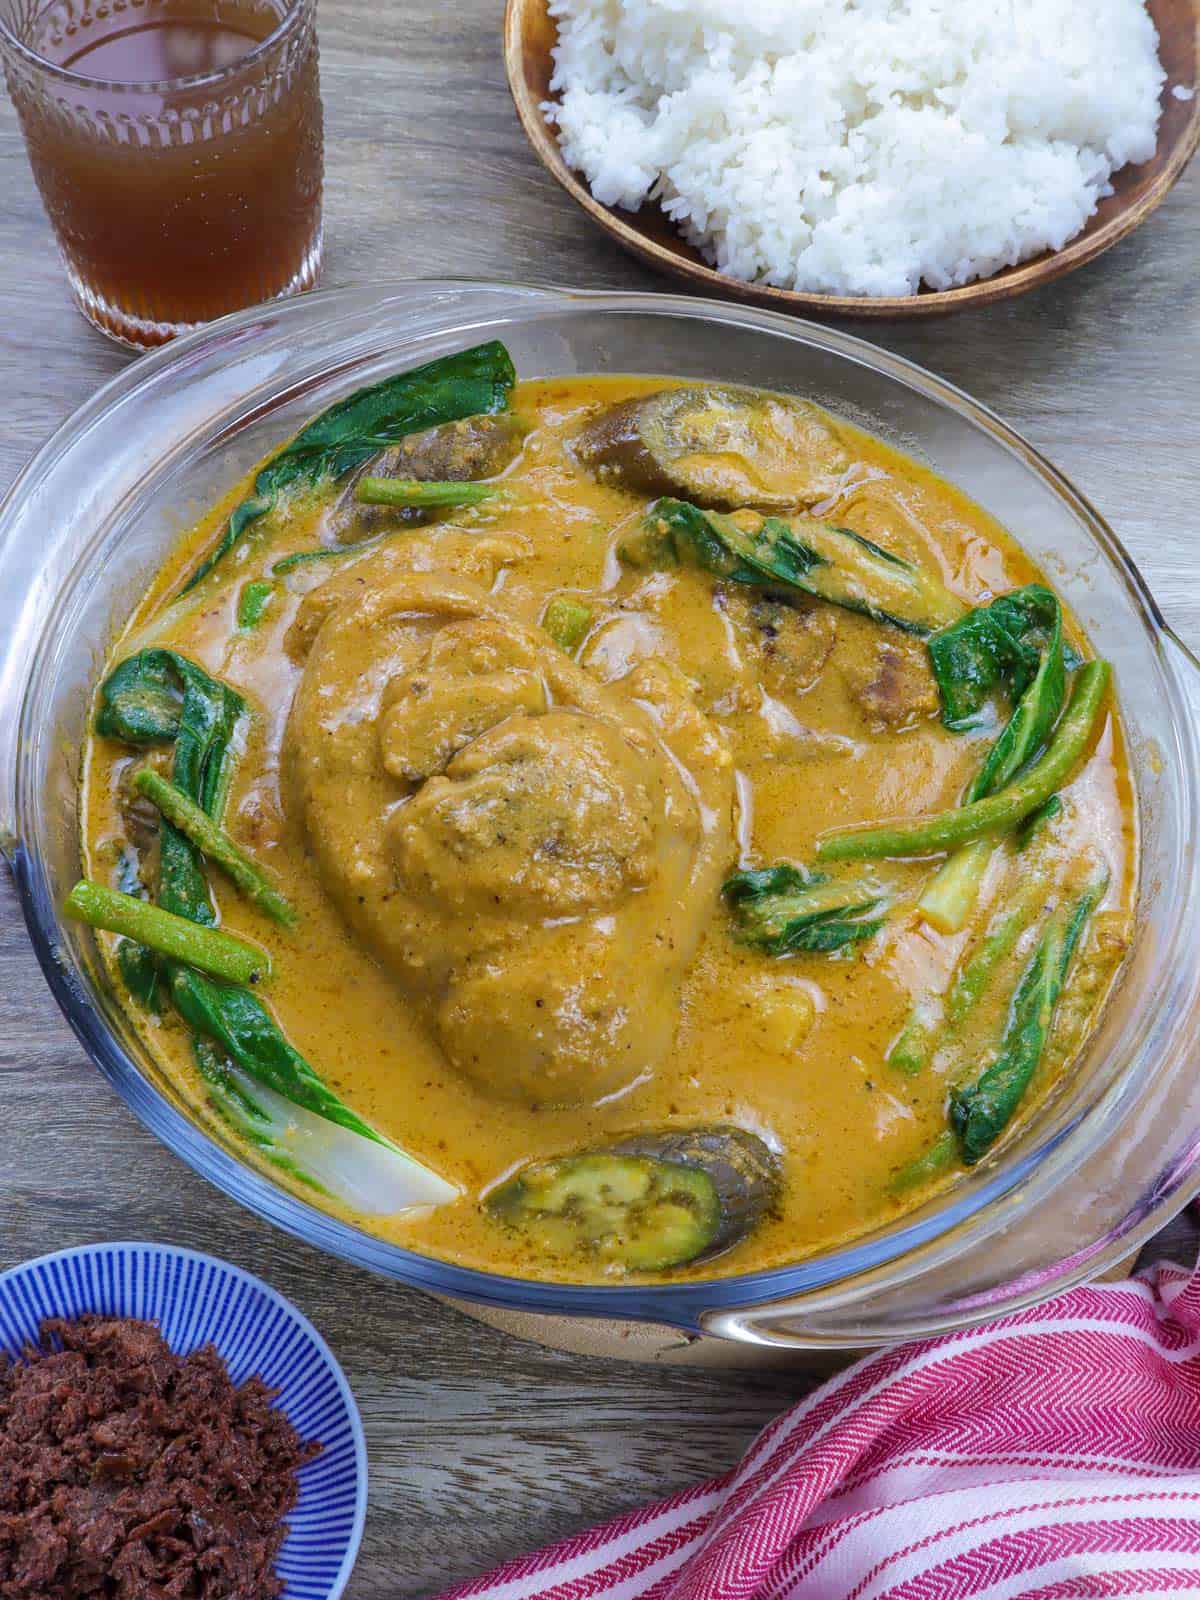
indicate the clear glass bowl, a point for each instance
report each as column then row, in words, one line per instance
column 1107, row 1162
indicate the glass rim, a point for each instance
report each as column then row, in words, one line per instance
column 9, row 41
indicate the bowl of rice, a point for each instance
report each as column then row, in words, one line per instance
column 874, row 158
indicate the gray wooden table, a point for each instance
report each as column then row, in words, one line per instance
column 482, row 1447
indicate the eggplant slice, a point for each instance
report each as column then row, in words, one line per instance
column 647, row 1203
column 721, row 448
column 454, row 452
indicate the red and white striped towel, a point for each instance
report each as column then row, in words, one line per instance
column 1053, row 1454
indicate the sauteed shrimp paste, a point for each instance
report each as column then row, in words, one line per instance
column 606, row 827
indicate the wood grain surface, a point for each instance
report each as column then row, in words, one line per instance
column 481, row 1447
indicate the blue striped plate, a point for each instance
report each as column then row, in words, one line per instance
column 199, row 1300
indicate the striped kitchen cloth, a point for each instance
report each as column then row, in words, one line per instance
column 1052, row 1454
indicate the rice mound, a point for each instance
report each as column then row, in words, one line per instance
column 858, row 147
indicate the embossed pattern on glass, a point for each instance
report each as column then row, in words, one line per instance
column 177, row 145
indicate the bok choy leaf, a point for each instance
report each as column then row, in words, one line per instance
column 1002, row 645
column 832, row 564
column 786, row 911
column 239, row 1103
column 995, row 646
column 475, row 381
column 313, row 1150
column 160, row 697
column 980, row 1112
column 248, row 1035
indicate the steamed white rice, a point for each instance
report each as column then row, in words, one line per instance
column 858, row 146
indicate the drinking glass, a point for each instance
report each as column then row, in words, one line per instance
column 177, row 145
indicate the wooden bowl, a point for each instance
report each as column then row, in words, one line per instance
column 530, row 32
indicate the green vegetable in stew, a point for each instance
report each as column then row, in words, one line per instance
column 181, row 939
column 1022, row 897
column 980, row 1112
column 236, row 1103
column 1032, row 828
column 159, row 697
column 472, row 382
column 142, row 974
column 420, row 495
column 943, row 830
column 912, row 1049
column 197, row 826
column 253, row 602
column 997, row 942
column 930, row 1164
column 784, row 910
column 745, row 1171
column 370, row 1174
column 995, row 644
column 951, row 893
column 567, row 622
column 717, row 446
column 829, row 563
column 244, row 1029
column 632, row 1211
column 1004, row 645
column 326, row 552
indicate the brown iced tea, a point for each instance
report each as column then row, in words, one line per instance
column 177, row 146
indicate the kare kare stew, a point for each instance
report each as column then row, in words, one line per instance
column 607, row 826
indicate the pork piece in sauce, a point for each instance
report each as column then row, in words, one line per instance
column 718, row 447
column 787, row 641
column 530, row 852
column 892, row 684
